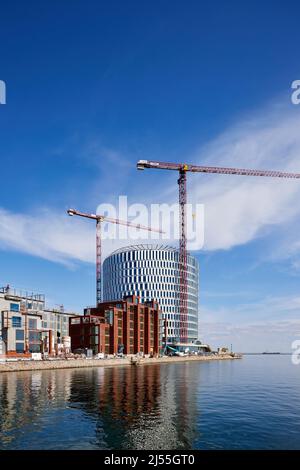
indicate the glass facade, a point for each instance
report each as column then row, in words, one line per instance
column 153, row 273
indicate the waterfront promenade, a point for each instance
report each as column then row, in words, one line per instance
column 81, row 363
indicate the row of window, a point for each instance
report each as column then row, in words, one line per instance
column 163, row 282
column 134, row 255
column 151, row 266
column 153, row 291
column 144, row 294
column 54, row 317
column 36, row 306
column 125, row 270
column 175, row 334
column 18, row 322
column 20, row 347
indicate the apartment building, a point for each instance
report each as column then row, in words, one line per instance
column 27, row 326
column 127, row 326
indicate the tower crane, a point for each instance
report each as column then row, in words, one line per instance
column 182, row 169
column 99, row 219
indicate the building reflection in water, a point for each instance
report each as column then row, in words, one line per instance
column 143, row 407
column 135, row 407
column 24, row 400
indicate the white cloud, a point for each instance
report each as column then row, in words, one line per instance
column 47, row 234
column 54, row 236
column 239, row 209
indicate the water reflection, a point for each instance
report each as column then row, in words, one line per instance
column 24, row 397
column 248, row 404
column 144, row 407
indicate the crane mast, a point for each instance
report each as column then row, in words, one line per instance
column 98, row 262
column 183, row 293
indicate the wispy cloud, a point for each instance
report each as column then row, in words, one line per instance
column 54, row 236
column 240, row 209
column 47, row 234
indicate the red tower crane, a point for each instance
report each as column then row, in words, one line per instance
column 182, row 168
column 99, row 219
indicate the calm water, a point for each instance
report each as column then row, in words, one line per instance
column 251, row 403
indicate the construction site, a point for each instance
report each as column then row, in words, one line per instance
column 146, row 301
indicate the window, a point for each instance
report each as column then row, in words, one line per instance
column 34, row 336
column 19, row 347
column 109, row 316
column 16, row 322
column 19, row 335
column 15, row 307
column 32, row 324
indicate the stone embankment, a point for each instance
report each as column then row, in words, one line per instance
column 81, row 363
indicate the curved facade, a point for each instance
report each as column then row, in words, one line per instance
column 152, row 272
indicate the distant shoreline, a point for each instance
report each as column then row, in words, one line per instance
column 266, row 354
column 22, row 366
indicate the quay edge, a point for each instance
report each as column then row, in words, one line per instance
column 22, row 366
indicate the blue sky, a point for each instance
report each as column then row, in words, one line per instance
column 94, row 86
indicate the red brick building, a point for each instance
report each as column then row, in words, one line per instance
column 124, row 325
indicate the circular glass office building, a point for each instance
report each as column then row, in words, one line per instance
column 152, row 272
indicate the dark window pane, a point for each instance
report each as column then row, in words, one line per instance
column 19, row 335
column 34, row 336
column 14, row 307
column 32, row 324
column 19, row 347
column 16, row 322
